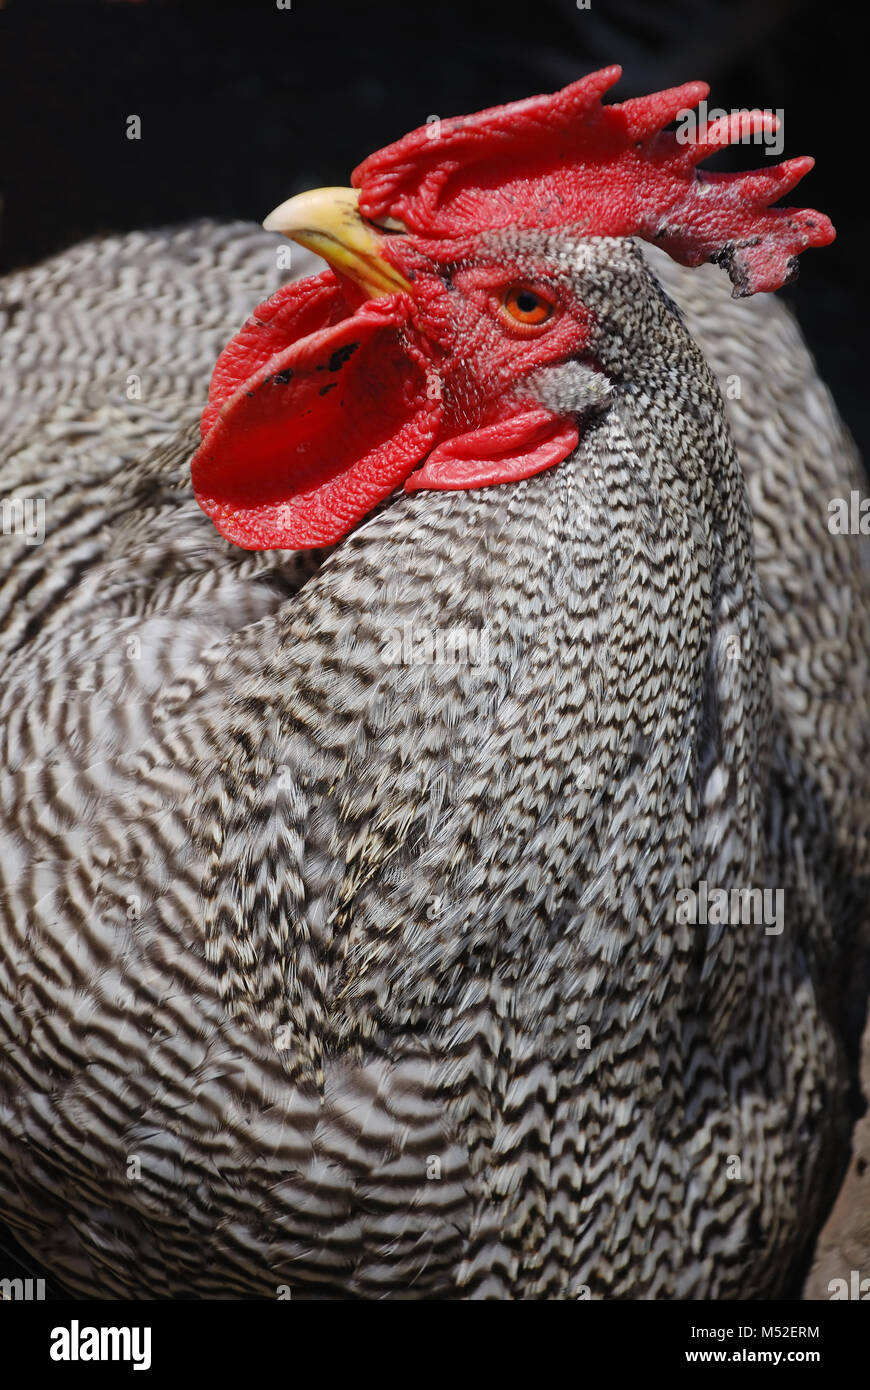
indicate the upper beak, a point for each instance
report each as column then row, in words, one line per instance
column 328, row 222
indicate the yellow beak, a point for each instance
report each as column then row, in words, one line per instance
column 328, row 222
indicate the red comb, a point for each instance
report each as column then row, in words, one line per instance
column 567, row 160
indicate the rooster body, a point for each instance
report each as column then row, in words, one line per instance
column 355, row 975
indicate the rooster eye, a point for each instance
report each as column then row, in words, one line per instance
column 526, row 306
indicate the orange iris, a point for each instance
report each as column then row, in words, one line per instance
column 526, row 306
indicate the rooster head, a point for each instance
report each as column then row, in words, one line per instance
column 462, row 331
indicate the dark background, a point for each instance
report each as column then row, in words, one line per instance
column 244, row 103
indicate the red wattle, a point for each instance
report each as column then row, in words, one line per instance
column 321, row 431
column 292, row 313
column 502, row 452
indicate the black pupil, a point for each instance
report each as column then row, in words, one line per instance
column 527, row 302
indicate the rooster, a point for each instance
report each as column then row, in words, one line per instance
column 372, row 758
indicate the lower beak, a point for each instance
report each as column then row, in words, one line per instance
column 328, row 222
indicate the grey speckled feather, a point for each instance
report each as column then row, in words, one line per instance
column 328, row 970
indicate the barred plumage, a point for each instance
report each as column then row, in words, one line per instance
column 298, row 945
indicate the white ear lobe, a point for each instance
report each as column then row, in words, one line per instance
column 569, row 387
